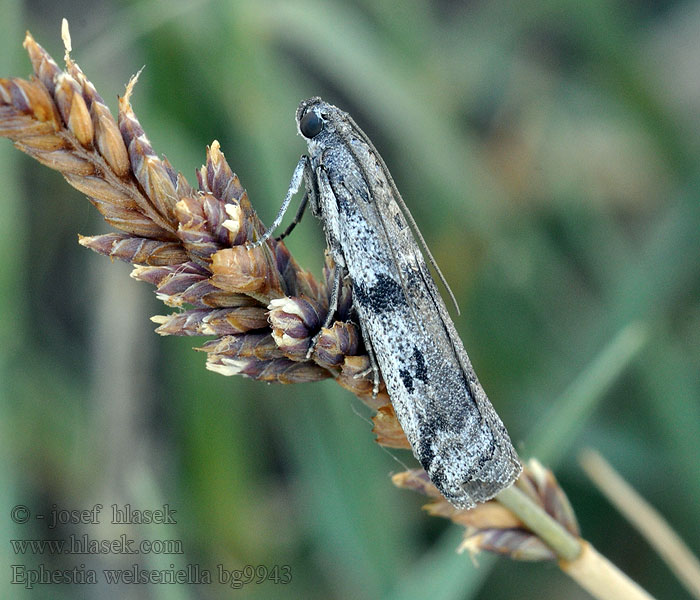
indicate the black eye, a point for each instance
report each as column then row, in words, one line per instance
column 310, row 125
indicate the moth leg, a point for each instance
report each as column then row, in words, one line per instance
column 297, row 218
column 303, row 165
column 332, row 309
column 373, row 367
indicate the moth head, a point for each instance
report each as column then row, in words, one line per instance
column 309, row 118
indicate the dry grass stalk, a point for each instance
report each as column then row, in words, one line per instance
column 645, row 519
column 261, row 307
column 531, row 521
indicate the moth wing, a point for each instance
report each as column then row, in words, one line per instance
column 398, row 235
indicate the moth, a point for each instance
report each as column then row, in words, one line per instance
column 453, row 430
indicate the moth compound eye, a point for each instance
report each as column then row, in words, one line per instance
column 310, row 125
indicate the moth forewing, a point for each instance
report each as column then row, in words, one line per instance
column 452, row 428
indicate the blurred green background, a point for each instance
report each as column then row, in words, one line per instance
column 550, row 152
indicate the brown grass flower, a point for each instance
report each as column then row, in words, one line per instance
column 262, row 308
